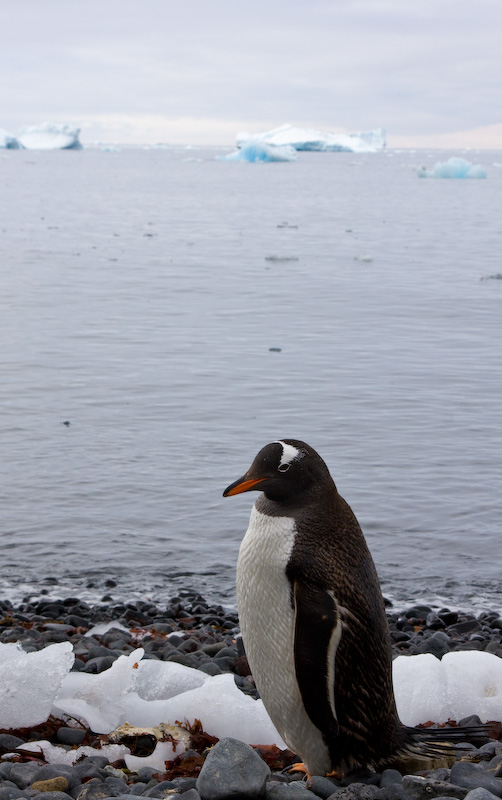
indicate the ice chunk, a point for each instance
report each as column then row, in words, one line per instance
column 104, row 627
column 29, row 682
column 220, row 706
column 308, row 139
column 255, row 150
column 455, row 167
column 99, row 699
column 50, row 136
column 474, row 684
column 461, row 684
column 58, row 755
column 8, row 141
column 118, row 694
column 160, row 680
column 420, row 689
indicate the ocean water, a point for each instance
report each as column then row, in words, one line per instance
column 163, row 315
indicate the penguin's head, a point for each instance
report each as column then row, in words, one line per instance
column 282, row 470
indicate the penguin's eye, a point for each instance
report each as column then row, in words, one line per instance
column 283, row 467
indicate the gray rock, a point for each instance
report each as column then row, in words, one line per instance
column 9, row 791
column 390, row 777
column 183, row 785
column 438, row 644
column 191, row 794
column 71, row 736
column 423, row 789
column 53, row 796
column 480, row 794
column 394, row 791
column 5, row 769
column 440, row 774
column 93, row 790
column 48, row 771
column 357, row 791
column 473, row 776
column 231, row 770
column 115, row 786
column 159, row 790
column 9, row 742
column 137, row 788
column 23, row 775
column 322, row 787
column 296, row 790
column 145, row 773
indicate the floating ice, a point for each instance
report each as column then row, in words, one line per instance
column 307, row 139
column 50, row 136
column 461, row 684
column 29, row 682
column 256, row 150
column 8, row 141
column 453, row 168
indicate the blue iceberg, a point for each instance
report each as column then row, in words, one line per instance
column 254, row 150
column 8, row 141
column 50, row 136
column 453, row 168
column 325, row 141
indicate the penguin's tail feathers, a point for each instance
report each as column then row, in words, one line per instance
column 448, row 740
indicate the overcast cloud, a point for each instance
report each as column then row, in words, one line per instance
column 198, row 71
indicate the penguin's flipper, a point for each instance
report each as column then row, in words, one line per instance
column 317, row 632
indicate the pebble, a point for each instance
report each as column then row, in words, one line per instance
column 203, row 635
column 232, row 770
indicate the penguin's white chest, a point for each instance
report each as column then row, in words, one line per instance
column 267, row 620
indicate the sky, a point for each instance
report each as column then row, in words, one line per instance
column 200, row 71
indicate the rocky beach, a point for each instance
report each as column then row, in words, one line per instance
column 194, row 633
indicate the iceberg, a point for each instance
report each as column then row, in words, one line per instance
column 453, row 168
column 308, row 139
column 50, row 136
column 8, row 141
column 255, row 150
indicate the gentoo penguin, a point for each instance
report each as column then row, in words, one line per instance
column 313, row 620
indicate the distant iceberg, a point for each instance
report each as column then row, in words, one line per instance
column 8, row 141
column 50, row 136
column 453, row 168
column 255, row 150
column 307, row 139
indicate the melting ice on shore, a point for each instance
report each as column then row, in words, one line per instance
column 8, row 141
column 308, row 139
column 146, row 693
column 255, row 150
column 50, row 136
column 455, row 167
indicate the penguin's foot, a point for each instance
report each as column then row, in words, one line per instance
column 299, row 766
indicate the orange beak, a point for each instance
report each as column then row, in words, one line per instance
column 242, row 485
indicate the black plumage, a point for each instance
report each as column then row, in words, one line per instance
column 342, row 647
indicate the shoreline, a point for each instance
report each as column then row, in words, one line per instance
column 202, row 635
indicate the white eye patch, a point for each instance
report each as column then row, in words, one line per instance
column 289, row 454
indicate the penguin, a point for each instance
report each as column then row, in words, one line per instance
column 313, row 620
